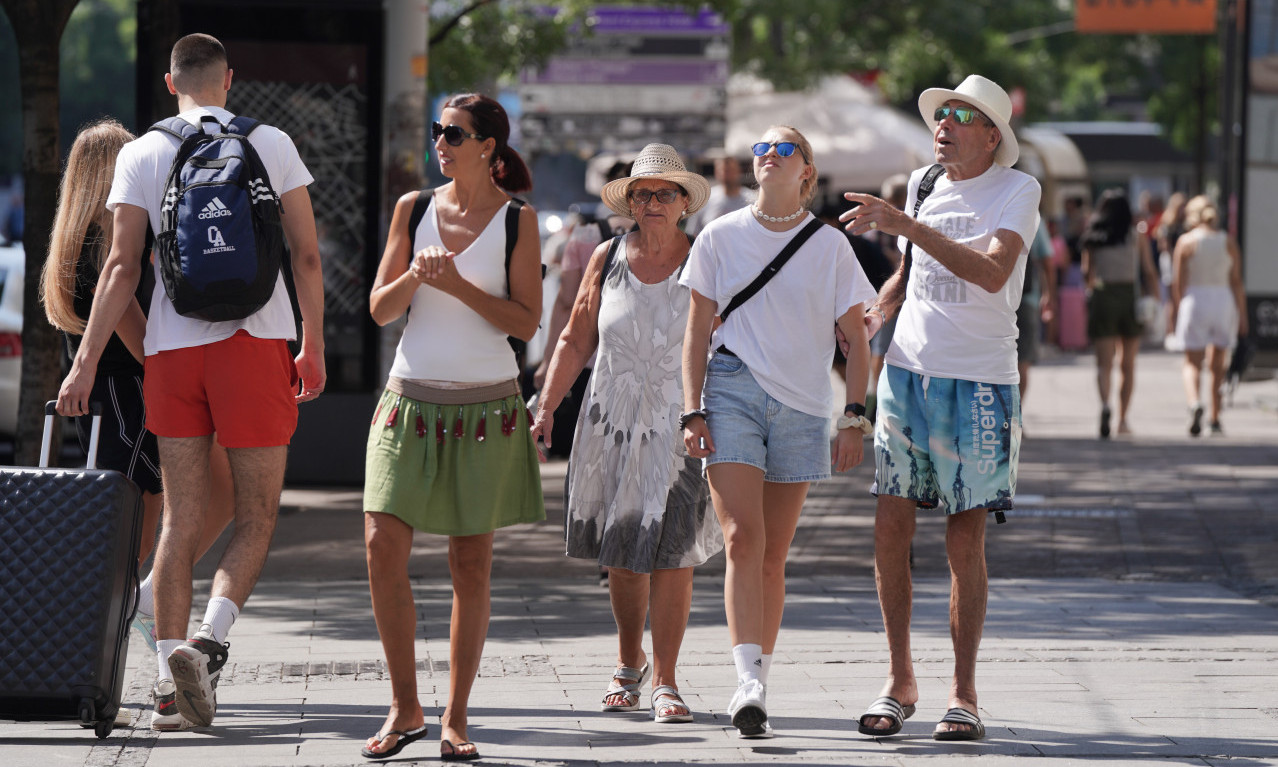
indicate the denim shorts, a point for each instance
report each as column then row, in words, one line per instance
column 946, row 442
column 749, row 426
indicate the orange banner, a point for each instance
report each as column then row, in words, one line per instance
column 1145, row 16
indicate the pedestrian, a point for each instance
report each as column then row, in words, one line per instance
column 726, row 195
column 80, row 240
column 1171, row 225
column 1208, row 306
column 235, row 378
column 948, row 431
column 1116, row 256
column 638, row 505
column 758, row 411
column 449, row 450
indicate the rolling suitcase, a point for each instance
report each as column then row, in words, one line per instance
column 68, row 587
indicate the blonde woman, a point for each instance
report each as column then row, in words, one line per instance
column 1208, row 308
column 759, row 410
column 80, row 241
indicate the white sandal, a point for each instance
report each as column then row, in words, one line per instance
column 673, row 700
column 629, row 692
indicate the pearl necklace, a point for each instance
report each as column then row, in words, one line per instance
column 777, row 219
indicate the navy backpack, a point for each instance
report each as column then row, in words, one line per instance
column 221, row 243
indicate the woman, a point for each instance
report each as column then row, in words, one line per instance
column 1208, row 308
column 81, row 238
column 1115, row 256
column 449, row 450
column 638, row 505
column 1170, row 227
column 762, row 422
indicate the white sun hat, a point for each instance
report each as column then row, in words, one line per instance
column 657, row 161
column 986, row 96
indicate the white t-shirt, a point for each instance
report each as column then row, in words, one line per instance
column 950, row 327
column 140, row 174
column 785, row 332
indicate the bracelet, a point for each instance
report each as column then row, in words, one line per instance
column 688, row 416
column 855, row 422
column 879, row 309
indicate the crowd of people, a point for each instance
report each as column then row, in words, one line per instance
column 699, row 367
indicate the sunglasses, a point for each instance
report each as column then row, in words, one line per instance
column 784, row 148
column 453, row 134
column 964, row 115
column 644, row 196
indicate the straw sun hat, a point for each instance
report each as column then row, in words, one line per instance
column 986, row 96
column 657, row 161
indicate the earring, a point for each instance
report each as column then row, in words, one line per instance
column 482, row 155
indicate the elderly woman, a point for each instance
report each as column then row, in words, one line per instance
column 636, row 502
column 448, row 449
column 759, row 411
column 1208, row 307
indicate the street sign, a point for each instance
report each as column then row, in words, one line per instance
column 1145, row 16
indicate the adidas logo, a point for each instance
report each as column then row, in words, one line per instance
column 215, row 209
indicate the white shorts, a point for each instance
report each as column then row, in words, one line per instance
column 1207, row 317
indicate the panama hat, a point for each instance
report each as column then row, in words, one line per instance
column 990, row 99
column 657, row 161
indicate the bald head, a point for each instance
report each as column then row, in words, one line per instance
column 197, row 64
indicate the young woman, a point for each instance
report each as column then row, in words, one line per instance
column 449, row 450
column 759, row 411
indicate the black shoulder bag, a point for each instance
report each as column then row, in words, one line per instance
column 772, row 268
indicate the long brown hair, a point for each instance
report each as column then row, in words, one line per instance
column 82, row 200
column 490, row 121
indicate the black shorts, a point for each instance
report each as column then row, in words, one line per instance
column 124, row 444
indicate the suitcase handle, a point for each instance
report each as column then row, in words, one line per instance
column 50, row 410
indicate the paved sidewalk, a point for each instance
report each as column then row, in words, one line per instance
column 1132, row 621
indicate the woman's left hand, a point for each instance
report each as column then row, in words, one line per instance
column 434, row 266
column 848, row 449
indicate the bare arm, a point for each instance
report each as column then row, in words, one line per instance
column 308, row 277
column 696, row 345
column 119, row 281
column 132, row 330
column 569, row 284
column 848, row 443
column 394, row 285
column 1147, row 268
column 1236, row 283
column 1180, row 275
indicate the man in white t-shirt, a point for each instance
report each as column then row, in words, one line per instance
column 236, row 379
column 948, row 427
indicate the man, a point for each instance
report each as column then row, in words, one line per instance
column 726, row 195
column 948, row 429
column 234, row 378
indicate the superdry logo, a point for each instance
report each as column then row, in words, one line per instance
column 215, row 209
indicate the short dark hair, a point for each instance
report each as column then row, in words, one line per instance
column 194, row 57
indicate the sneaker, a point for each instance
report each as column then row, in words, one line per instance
column 145, row 625
column 1104, row 425
column 762, row 732
column 1196, row 421
column 1216, row 430
column 747, row 709
column 166, row 715
column 196, row 666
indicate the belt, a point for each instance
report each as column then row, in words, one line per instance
column 725, row 350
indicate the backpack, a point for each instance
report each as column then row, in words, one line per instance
column 518, row 345
column 221, row 243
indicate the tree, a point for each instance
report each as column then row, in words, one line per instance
column 38, row 26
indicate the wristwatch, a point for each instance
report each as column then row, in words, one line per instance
column 688, row 416
column 854, row 408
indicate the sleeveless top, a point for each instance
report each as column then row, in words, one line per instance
column 1210, row 264
column 445, row 340
column 1114, row 264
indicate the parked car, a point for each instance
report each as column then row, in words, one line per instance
column 12, row 270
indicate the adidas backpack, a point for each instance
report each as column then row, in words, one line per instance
column 221, row 243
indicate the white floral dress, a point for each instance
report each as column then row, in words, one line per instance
column 635, row 500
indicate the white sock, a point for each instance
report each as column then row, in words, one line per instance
column 218, row 619
column 146, row 597
column 767, row 666
column 749, row 661
column 163, row 649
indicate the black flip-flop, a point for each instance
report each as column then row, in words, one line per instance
column 405, row 737
column 888, row 708
column 453, row 756
column 976, row 729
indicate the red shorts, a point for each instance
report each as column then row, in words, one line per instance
column 243, row 388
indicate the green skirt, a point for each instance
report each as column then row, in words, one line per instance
column 453, row 469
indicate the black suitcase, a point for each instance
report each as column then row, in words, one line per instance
column 68, row 587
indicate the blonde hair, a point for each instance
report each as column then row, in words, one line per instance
column 1201, row 210
column 808, row 189
column 82, row 200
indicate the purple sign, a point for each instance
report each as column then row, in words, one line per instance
column 631, row 71
column 640, row 21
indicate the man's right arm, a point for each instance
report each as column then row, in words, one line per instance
column 119, row 281
column 298, row 220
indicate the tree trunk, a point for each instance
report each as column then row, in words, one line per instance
column 38, row 26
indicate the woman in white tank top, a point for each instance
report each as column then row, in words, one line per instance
column 1208, row 309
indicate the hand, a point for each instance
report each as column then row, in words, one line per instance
column 310, row 369
column 434, row 266
column 875, row 214
column 696, row 434
column 873, row 324
column 542, row 426
column 848, row 449
column 73, row 396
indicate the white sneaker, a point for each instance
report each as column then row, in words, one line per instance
column 762, row 732
column 166, row 715
column 748, row 711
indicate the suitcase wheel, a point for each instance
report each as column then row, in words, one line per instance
column 103, row 728
column 88, row 712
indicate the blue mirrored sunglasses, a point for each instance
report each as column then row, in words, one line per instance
column 784, row 148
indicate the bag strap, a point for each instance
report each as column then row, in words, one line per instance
column 512, row 236
column 613, row 247
column 926, row 185
column 772, row 268
column 419, row 210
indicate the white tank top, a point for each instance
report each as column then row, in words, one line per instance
column 445, row 340
column 1210, row 264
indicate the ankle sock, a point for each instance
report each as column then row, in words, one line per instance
column 218, row 619
column 146, row 597
column 749, row 661
column 163, row 649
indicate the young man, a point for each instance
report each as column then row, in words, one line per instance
column 234, row 378
column 948, row 428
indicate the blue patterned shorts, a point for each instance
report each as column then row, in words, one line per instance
column 946, row 442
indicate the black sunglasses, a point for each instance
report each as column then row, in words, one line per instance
column 453, row 134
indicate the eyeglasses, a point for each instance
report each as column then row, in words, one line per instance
column 784, row 148
column 453, row 134
column 964, row 115
column 644, row 196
